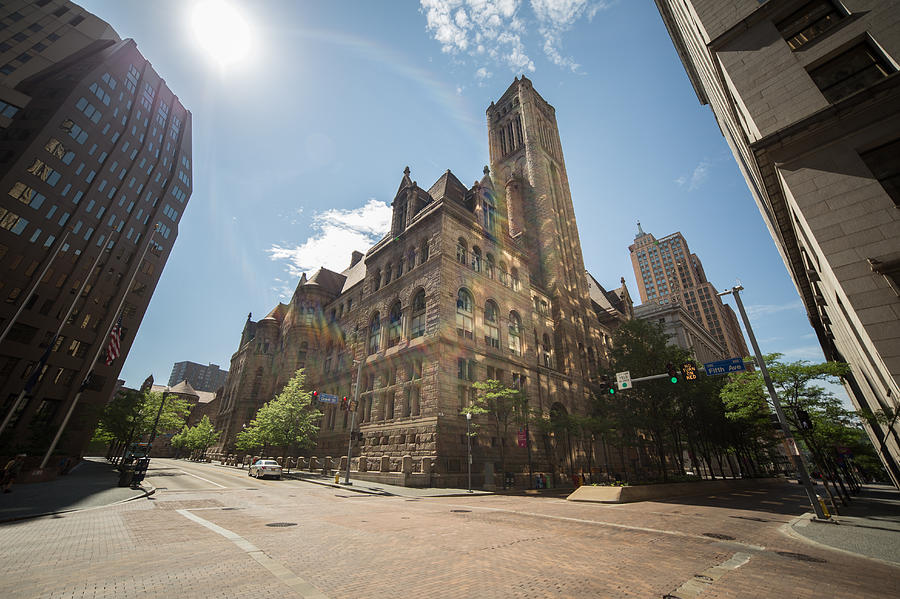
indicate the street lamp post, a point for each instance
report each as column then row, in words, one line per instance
column 353, row 422
column 469, row 448
column 785, row 428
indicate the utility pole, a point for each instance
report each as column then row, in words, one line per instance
column 785, row 428
column 353, row 422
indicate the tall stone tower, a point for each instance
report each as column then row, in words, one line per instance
column 528, row 165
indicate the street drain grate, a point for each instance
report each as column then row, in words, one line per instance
column 281, row 524
column 226, row 509
column 716, row 535
column 802, row 557
column 461, row 511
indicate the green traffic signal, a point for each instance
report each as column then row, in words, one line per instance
column 612, row 390
column 674, row 379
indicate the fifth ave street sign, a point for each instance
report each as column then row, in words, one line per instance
column 724, row 366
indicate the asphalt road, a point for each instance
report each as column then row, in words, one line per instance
column 211, row 531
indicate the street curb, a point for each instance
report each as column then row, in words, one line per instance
column 788, row 530
column 148, row 490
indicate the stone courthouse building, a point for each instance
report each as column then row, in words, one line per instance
column 471, row 283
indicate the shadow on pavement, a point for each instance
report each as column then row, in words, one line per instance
column 91, row 483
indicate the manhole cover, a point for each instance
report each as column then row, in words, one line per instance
column 281, row 524
column 461, row 511
column 801, row 556
column 716, row 535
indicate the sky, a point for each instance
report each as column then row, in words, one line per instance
column 305, row 118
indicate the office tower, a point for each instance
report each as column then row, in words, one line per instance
column 95, row 172
column 202, row 378
column 807, row 96
column 668, row 273
column 475, row 282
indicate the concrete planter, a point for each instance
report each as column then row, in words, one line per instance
column 664, row 491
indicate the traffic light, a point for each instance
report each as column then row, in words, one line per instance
column 673, row 375
column 804, row 420
column 345, row 404
column 607, row 386
column 689, row 370
column 315, row 396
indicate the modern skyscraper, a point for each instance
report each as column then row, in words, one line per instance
column 471, row 283
column 668, row 273
column 95, row 172
column 807, row 95
column 202, row 378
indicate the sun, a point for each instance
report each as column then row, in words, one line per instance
column 222, row 31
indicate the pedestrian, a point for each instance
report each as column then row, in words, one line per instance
column 11, row 471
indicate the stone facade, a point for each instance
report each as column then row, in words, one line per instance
column 808, row 97
column 472, row 283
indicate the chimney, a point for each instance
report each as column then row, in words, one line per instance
column 356, row 257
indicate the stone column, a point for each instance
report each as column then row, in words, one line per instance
column 407, row 464
column 343, row 466
column 363, row 464
column 385, row 463
column 313, row 464
column 326, row 465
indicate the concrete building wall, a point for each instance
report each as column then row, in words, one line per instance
column 811, row 117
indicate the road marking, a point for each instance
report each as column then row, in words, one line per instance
column 201, row 478
column 303, row 588
column 700, row 582
column 674, row 533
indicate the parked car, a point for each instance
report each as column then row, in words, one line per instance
column 264, row 468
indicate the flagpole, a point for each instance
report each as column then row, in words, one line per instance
column 100, row 347
column 35, row 376
column 34, row 285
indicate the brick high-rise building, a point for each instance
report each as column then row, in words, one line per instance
column 668, row 273
column 95, row 155
column 807, row 95
column 202, row 378
column 475, row 282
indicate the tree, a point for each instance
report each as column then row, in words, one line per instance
column 500, row 403
column 287, row 421
column 197, row 438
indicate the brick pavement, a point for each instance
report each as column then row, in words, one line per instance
column 351, row 545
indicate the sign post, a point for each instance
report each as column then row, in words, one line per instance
column 623, row 380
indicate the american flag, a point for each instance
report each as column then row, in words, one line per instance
column 112, row 350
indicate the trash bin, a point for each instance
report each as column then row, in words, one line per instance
column 125, row 475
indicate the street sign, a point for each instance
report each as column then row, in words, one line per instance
column 689, row 371
column 724, row 366
column 328, row 398
column 623, row 380
column 522, row 438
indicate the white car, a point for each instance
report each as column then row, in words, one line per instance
column 264, row 468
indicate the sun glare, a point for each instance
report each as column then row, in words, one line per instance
column 222, row 31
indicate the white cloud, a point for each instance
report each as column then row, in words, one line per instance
column 697, row 178
column 337, row 233
column 763, row 310
column 479, row 28
column 556, row 17
column 483, row 73
column 812, row 353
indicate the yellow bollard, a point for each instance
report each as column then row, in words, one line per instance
column 824, row 507
column 337, row 478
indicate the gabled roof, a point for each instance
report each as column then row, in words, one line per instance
column 354, row 274
column 607, row 300
column 448, row 187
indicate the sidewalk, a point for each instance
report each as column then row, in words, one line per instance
column 91, row 483
column 869, row 526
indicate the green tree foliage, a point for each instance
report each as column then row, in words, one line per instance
column 197, row 438
column 131, row 414
column 501, row 404
column 287, row 421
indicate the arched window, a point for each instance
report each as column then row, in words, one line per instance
column 417, row 324
column 489, row 268
column 545, row 351
column 464, row 323
column 461, row 251
column 515, row 333
column 476, row 259
column 423, row 252
column 375, row 333
column 491, row 325
column 376, row 279
column 394, row 319
column 514, row 274
column 410, row 259
column 387, row 274
column 504, row 276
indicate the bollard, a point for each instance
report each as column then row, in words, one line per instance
column 824, row 507
column 337, row 478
